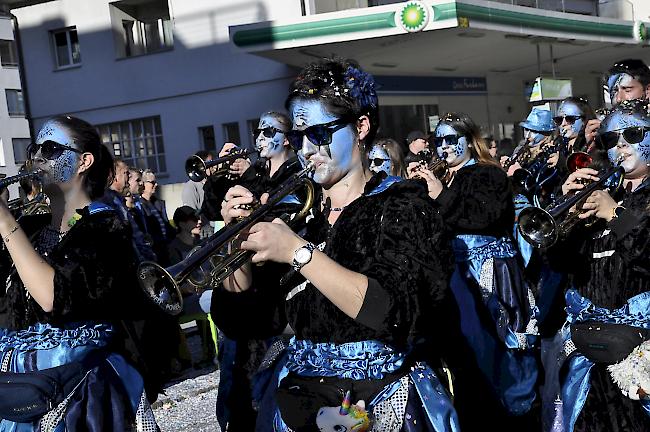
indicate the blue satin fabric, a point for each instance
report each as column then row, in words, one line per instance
column 369, row 360
column 511, row 370
column 385, row 184
column 42, row 346
column 525, row 248
column 576, row 384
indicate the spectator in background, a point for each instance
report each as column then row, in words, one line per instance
column 192, row 195
column 416, row 141
column 134, row 202
column 115, row 198
column 155, row 214
column 492, row 146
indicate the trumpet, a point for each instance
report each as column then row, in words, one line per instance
column 161, row 285
column 18, row 177
column 521, row 155
column 542, row 228
column 438, row 166
column 196, row 168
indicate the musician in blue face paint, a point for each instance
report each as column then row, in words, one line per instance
column 488, row 283
column 604, row 383
column 70, row 287
column 368, row 287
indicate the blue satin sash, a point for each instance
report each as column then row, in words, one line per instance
column 369, row 360
column 476, row 249
column 576, row 386
column 42, row 346
column 525, row 248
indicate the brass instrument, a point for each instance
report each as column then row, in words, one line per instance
column 37, row 206
column 161, row 285
column 196, row 168
column 521, row 155
column 438, row 166
column 18, row 177
column 542, row 228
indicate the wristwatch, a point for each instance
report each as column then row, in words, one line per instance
column 616, row 211
column 302, row 256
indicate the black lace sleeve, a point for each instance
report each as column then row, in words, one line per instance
column 479, row 201
column 94, row 272
column 410, row 270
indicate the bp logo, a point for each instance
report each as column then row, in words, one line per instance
column 413, row 16
column 640, row 31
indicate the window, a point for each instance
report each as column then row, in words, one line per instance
column 66, row 47
column 138, row 142
column 252, row 125
column 8, row 56
column 20, row 149
column 206, row 137
column 141, row 26
column 15, row 104
column 231, row 133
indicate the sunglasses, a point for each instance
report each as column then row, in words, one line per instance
column 268, row 132
column 632, row 135
column 318, row 134
column 50, row 150
column 378, row 161
column 153, row 182
column 449, row 139
column 570, row 119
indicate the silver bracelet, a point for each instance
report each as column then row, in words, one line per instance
column 13, row 230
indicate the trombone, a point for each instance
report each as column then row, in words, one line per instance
column 196, row 168
column 161, row 285
column 542, row 228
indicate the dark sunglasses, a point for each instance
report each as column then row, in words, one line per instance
column 449, row 139
column 570, row 119
column 153, row 182
column 268, row 132
column 632, row 135
column 318, row 134
column 378, row 161
column 50, row 150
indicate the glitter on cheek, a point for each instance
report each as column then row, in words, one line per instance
column 64, row 167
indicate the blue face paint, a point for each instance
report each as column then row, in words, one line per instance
column 457, row 153
column 332, row 161
column 269, row 147
column 533, row 138
column 568, row 130
column 636, row 155
column 375, row 154
column 64, row 168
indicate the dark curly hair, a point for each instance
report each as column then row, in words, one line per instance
column 97, row 178
column 344, row 88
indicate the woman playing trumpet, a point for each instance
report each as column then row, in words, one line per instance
column 497, row 310
column 608, row 267
column 369, row 289
column 68, row 280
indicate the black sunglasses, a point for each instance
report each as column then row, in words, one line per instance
column 50, row 150
column 570, row 119
column 153, row 182
column 268, row 132
column 632, row 135
column 318, row 134
column 449, row 139
column 378, row 161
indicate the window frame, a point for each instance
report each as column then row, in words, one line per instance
column 14, row 53
column 13, row 146
column 135, row 42
column 19, row 92
column 55, row 52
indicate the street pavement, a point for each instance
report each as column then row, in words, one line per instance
column 188, row 404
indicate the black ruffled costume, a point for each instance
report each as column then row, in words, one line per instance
column 395, row 238
column 609, row 264
column 94, row 282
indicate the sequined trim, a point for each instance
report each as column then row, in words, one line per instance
column 390, row 413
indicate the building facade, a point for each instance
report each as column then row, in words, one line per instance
column 14, row 128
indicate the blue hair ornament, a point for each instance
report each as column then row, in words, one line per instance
column 362, row 87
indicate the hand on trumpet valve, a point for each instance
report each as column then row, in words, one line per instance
column 227, row 149
column 577, row 179
column 239, row 166
column 434, row 185
column 514, row 167
column 599, row 204
column 553, row 159
column 272, row 241
column 237, row 203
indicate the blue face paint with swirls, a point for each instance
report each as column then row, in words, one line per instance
column 269, row 147
column 456, row 153
column 332, row 161
column 566, row 129
column 63, row 168
column 635, row 154
column 378, row 153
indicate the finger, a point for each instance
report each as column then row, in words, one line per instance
column 587, row 214
column 237, row 191
column 250, row 245
column 260, row 226
column 279, row 221
column 264, row 198
column 258, row 258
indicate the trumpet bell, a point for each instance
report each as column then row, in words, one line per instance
column 538, row 227
column 578, row 160
column 160, row 287
column 195, row 168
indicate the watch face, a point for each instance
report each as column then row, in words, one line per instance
column 303, row 255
